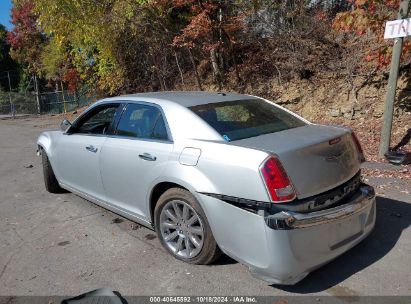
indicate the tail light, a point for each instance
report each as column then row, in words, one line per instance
column 276, row 180
column 359, row 149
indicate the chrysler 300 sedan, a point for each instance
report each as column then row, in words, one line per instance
column 218, row 172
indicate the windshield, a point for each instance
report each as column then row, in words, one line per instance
column 240, row 119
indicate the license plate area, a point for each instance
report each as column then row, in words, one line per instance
column 346, row 231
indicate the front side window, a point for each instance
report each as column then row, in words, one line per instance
column 97, row 121
column 240, row 119
column 142, row 121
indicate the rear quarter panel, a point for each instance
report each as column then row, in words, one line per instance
column 222, row 169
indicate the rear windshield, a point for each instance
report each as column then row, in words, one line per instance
column 240, row 119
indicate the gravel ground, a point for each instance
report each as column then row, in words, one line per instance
column 64, row 245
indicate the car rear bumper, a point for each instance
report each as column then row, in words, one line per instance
column 302, row 242
column 294, row 220
column 283, row 248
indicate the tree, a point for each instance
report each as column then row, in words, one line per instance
column 6, row 62
column 123, row 45
column 212, row 26
column 367, row 19
column 25, row 38
column 86, row 31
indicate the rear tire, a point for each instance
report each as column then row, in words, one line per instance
column 193, row 241
column 50, row 180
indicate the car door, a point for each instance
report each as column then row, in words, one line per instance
column 78, row 150
column 134, row 157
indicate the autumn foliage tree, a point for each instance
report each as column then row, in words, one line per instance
column 25, row 38
column 212, row 27
column 367, row 18
column 7, row 64
column 117, row 46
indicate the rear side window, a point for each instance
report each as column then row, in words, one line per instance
column 142, row 121
column 246, row 118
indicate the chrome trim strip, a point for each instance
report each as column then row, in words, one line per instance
column 126, row 103
column 240, row 202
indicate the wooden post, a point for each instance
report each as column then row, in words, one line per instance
column 64, row 99
column 37, row 94
column 392, row 85
column 12, row 109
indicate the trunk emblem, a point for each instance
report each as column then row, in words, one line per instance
column 333, row 157
column 335, row 141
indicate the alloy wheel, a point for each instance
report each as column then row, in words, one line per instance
column 181, row 229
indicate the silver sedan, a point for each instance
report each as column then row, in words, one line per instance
column 218, row 172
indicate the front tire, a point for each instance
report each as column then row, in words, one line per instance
column 183, row 229
column 50, row 180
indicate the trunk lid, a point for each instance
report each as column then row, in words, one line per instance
column 313, row 163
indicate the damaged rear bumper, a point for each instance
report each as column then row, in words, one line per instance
column 282, row 248
column 294, row 220
column 302, row 242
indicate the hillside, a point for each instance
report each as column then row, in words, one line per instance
column 328, row 99
column 326, row 60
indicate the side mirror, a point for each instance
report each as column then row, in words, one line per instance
column 65, row 124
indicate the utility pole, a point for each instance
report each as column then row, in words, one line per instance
column 11, row 104
column 392, row 85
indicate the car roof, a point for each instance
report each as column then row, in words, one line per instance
column 190, row 98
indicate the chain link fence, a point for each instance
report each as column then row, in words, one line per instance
column 13, row 103
column 62, row 102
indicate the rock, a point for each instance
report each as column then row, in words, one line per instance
column 347, row 109
column 335, row 112
column 135, row 226
column 117, row 221
column 350, row 114
column 377, row 114
column 150, row 236
column 288, row 101
column 378, row 110
column 398, row 111
column 63, row 243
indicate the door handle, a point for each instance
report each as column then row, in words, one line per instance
column 91, row 148
column 147, row 156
